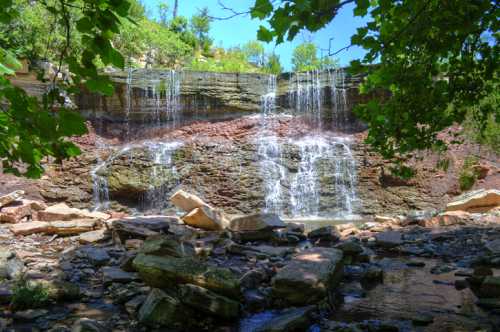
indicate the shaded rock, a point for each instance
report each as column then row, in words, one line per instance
column 14, row 268
column 206, row 218
column 161, row 309
column 96, row 256
column 140, row 227
column 163, row 245
column 63, row 212
column 476, row 201
column 289, row 320
column 30, row 314
column 256, row 222
column 164, row 272
column 326, row 233
column 255, row 300
column 88, row 325
column 373, row 274
column 389, row 239
column 489, row 303
column 186, row 201
column 10, row 197
column 5, row 294
column 134, row 304
column 59, row 290
column 490, row 287
column 253, row 278
column 93, row 236
column 493, row 246
column 309, row 276
column 208, row 302
column 112, row 274
column 350, row 248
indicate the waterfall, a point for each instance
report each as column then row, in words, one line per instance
column 345, row 176
column 162, row 91
column 336, row 81
column 306, row 96
column 163, row 167
column 269, row 151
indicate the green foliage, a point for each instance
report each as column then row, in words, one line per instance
column 226, row 61
column 254, row 52
column 305, row 58
column 27, row 295
column 469, row 174
column 273, row 65
column 31, row 129
column 435, row 58
column 200, row 25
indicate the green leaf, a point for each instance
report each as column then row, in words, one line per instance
column 100, row 85
column 84, row 25
column 361, row 8
column 264, row 34
column 261, row 9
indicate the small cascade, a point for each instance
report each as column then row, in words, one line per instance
column 306, row 96
column 345, row 177
column 163, row 167
column 159, row 96
column 100, row 191
column 270, row 151
column 338, row 90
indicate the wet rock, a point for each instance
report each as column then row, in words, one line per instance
column 289, row 320
column 350, row 248
column 389, row 239
column 415, row 264
column 309, row 276
column 133, row 305
column 163, row 245
column 111, row 274
column 442, row 268
column 206, row 218
column 30, row 314
column 256, row 222
column 208, row 302
column 327, row 234
column 489, row 303
column 186, row 201
column 88, row 325
column 373, row 274
column 94, row 236
column 476, row 201
column 63, row 212
column 10, row 197
column 161, row 309
column 164, row 272
column 255, row 300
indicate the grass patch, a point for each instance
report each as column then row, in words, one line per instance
column 469, row 174
column 28, row 295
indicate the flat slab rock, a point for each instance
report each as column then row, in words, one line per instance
column 256, row 222
column 10, row 197
column 309, row 276
column 72, row 227
column 389, row 239
column 476, row 201
column 141, row 227
column 64, row 212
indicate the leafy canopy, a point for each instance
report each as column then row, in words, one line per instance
column 436, row 58
column 32, row 128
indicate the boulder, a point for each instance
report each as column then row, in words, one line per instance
column 163, row 245
column 11, row 267
column 15, row 212
column 186, row 201
column 493, row 246
column 481, row 200
column 161, row 309
column 309, row 276
column 93, row 236
column 206, row 218
column 296, row 319
column 61, row 290
column 96, row 256
column 256, row 222
column 326, row 233
column 10, row 197
column 389, row 239
column 208, row 302
column 63, row 212
column 165, row 272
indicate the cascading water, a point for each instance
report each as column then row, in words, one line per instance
column 336, row 80
column 270, row 152
column 306, row 96
column 163, row 167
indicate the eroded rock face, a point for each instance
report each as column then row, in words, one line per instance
column 476, row 201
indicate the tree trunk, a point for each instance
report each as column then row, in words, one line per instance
column 176, row 5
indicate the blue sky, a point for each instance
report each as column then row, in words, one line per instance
column 241, row 29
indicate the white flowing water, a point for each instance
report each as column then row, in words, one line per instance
column 338, row 90
column 163, row 167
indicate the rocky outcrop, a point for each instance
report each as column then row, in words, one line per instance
column 475, row 201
